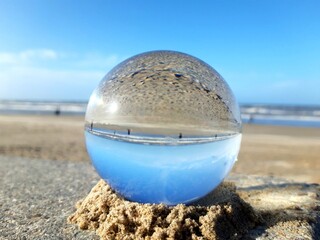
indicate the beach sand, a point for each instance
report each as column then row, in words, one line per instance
column 282, row 211
column 287, row 152
column 257, row 205
column 112, row 217
column 37, row 196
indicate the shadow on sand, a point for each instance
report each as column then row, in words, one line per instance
column 280, row 211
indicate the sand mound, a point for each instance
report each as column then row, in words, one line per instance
column 115, row 218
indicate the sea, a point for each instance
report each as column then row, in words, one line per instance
column 284, row 115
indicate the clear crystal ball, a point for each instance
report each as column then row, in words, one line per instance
column 163, row 127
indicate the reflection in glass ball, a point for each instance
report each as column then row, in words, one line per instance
column 163, row 127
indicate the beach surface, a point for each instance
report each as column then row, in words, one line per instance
column 287, row 152
column 272, row 192
column 38, row 196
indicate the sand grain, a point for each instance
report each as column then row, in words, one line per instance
column 115, row 218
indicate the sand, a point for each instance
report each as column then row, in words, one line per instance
column 258, row 205
column 282, row 211
column 112, row 217
column 287, row 152
column 43, row 137
column 37, row 196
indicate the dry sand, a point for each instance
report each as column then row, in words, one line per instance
column 283, row 211
column 269, row 209
column 43, row 137
column 111, row 217
column 288, row 152
column 37, row 196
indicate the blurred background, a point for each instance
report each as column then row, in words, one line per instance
column 54, row 53
column 58, row 51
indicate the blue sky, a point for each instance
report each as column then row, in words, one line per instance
column 267, row 50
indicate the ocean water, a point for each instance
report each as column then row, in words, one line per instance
column 42, row 107
column 162, row 173
column 301, row 116
column 281, row 115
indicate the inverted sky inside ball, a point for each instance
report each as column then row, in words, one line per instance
column 151, row 123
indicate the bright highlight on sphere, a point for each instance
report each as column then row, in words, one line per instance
column 163, row 127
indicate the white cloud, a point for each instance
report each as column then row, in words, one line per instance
column 48, row 74
column 42, row 54
column 42, row 83
column 7, row 58
column 27, row 56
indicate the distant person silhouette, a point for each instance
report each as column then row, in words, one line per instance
column 57, row 112
column 250, row 120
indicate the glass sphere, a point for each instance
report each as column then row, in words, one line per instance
column 163, row 127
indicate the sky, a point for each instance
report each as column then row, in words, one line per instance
column 268, row 50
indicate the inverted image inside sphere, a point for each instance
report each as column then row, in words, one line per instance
column 164, row 92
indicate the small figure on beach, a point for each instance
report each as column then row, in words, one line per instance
column 251, row 118
column 57, row 112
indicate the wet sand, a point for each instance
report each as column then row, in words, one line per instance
column 287, row 152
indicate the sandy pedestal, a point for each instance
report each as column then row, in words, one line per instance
column 37, row 197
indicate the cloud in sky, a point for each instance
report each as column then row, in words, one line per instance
column 273, row 87
column 27, row 56
column 46, row 74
